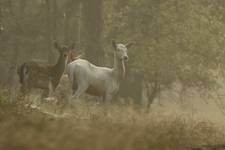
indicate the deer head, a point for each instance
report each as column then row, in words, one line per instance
column 64, row 50
column 121, row 52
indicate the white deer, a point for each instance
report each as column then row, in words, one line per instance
column 98, row 81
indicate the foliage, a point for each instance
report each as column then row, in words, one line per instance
column 175, row 40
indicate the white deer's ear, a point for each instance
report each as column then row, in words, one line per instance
column 129, row 45
column 56, row 45
column 114, row 44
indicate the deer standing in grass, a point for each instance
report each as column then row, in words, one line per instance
column 45, row 77
column 98, row 81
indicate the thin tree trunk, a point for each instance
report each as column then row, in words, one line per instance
column 12, row 71
column 48, row 21
column 153, row 91
column 71, row 35
column 51, row 6
column 79, row 23
column 16, row 47
column 65, row 27
column 1, row 16
column 93, row 27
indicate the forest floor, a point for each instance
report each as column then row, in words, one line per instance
column 93, row 126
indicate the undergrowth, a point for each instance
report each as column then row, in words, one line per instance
column 90, row 125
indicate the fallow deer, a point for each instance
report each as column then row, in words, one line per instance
column 95, row 80
column 39, row 76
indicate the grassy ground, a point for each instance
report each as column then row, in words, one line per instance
column 92, row 126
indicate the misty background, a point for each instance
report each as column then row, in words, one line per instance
column 178, row 57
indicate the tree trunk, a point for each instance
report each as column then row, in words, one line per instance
column 154, row 89
column 79, row 23
column 1, row 16
column 51, row 7
column 16, row 42
column 72, row 34
column 93, row 27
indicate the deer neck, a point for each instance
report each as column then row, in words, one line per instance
column 59, row 67
column 118, row 69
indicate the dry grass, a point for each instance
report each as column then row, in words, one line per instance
column 92, row 126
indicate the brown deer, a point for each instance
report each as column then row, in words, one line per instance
column 46, row 77
column 63, row 90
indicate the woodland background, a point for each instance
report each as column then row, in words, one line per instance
column 179, row 50
column 176, row 42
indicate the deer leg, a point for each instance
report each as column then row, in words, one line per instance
column 74, row 87
column 108, row 98
column 24, row 89
column 22, row 92
column 72, row 84
column 103, row 98
column 51, row 89
column 80, row 90
column 45, row 93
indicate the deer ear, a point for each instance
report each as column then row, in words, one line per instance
column 72, row 46
column 129, row 45
column 114, row 44
column 56, row 45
